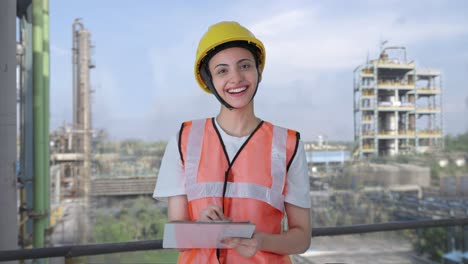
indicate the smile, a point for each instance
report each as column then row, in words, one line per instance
column 237, row 90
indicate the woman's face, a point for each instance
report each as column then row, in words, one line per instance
column 234, row 74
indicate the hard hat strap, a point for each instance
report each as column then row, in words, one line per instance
column 207, row 78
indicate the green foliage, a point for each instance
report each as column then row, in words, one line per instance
column 129, row 158
column 141, row 221
column 435, row 172
column 403, row 159
column 457, row 143
column 432, row 242
column 136, row 220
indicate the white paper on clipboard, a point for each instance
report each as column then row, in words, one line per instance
column 186, row 234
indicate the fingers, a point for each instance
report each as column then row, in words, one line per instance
column 235, row 242
column 218, row 213
column 244, row 246
column 232, row 242
column 212, row 212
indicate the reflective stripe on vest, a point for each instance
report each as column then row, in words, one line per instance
column 272, row 196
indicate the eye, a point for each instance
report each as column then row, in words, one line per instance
column 245, row 66
column 221, row 71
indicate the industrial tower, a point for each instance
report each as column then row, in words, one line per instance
column 397, row 107
column 82, row 63
column 71, row 145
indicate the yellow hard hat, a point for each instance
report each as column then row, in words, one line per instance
column 220, row 33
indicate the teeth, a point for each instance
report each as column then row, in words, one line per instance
column 237, row 90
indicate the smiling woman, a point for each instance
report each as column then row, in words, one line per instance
column 235, row 76
column 236, row 166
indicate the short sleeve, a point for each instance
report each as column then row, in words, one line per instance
column 298, row 187
column 170, row 180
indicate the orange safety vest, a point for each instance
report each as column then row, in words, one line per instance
column 255, row 182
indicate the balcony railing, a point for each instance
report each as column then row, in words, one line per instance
column 428, row 91
column 408, row 85
column 108, row 248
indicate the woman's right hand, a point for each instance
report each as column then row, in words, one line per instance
column 212, row 212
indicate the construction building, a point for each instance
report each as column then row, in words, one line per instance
column 397, row 107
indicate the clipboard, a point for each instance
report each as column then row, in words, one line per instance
column 204, row 234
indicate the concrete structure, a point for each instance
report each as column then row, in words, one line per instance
column 397, row 107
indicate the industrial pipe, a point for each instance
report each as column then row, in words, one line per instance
column 8, row 204
column 39, row 211
column 46, row 79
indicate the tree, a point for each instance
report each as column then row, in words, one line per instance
column 133, row 220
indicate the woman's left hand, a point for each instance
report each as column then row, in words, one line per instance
column 247, row 247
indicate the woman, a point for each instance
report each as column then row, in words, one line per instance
column 236, row 166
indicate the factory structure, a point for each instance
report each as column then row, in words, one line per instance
column 70, row 150
column 71, row 144
column 397, row 106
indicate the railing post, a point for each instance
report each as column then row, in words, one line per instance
column 450, row 240
column 465, row 244
column 418, row 242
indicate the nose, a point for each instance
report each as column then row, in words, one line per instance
column 236, row 76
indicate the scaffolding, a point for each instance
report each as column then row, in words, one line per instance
column 397, row 107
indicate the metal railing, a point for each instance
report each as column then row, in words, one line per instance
column 108, row 248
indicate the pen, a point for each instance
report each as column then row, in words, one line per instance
column 219, row 214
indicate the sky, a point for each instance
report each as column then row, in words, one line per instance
column 144, row 51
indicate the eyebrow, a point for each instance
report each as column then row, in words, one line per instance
column 219, row 65
column 240, row 61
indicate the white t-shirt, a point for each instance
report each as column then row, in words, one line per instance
column 171, row 179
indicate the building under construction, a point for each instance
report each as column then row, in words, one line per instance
column 397, row 107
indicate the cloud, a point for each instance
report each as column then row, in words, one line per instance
column 299, row 39
column 309, row 64
column 312, row 50
column 279, row 24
